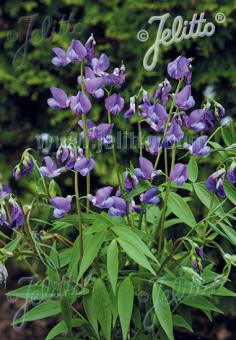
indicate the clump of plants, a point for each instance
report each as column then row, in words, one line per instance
column 129, row 261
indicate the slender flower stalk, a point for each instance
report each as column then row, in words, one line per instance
column 167, row 124
column 78, row 207
column 86, row 139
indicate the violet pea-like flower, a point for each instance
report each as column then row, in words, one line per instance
column 220, row 191
column 179, row 173
column 25, row 167
column 157, row 117
column 174, row 133
column 102, row 199
column 180, row 68
column 100, row 65
column 162, row 91
column 51, row 169
column 146, row 170
column 59, row 99
column 200, row 120
column 184, row 99
column 114, row 104
column 92, row 83
column 231, row 173
column 80, row 104
column 150, row 196
column 199, row 147
column 84, row 165
column 66, row 155
column 5, row 191
column 99, row 132
column 61, row 58
column 61, row 206
column 130, row 181
column 89, row 46
column 119, row 207
column 212, row 179
column 76, row 51
column 153, row 145
column 130, row 112
column 16, row 215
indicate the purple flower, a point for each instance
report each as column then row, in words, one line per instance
column 99, row 132
column 92, row 83
column 130, row 181
column 153, row 145
column 61, row 58
column 59, row 99
column 84, row 165
column 220, row 187
column 157, row 117
column 184, row 100
column 89, row 46
column 150, row 196
column 3, row 216
column 231, row 173
column 174, row 133
column 219, row 110
column 129, row 113
column 76, row 51
column 61, row 206
column 162, row 91
column 179, row 174
column 66, row 155
column 100, row 65
column 25, row 167
column 200, row 120
column 199, row 147
column 50, row 170
column 16, row 215
column 135, row 207
column 200, row 253
column 117, row 77
column 80, row 104
column 145, row 105
column 146, row 170
column 5, row 191
column 119, row 207
column 180, row 68
column 102, row 199
column 114, row 103
column 212, row 179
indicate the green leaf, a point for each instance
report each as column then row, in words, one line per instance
column 90, row 312
column 32, row 292
column 42, row 311
column 162, row 310
column 142, row 187
column 112, row 264
column 230, row 192
column 200, row 302
column 54, row 189
column 128, row 235
column 181, row 209
column 125, row 304
column 102, row 306
column 180, row 322
column 66, row 313
column 91, row 251
column 135, row 254
column 192, row 169
column 61, row 327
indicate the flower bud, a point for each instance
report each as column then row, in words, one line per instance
column 3, row 274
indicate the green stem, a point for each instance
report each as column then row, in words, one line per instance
column 140, row 138
column 86, row 139
column 79, row 216
column 167, row 124
column 114, row 155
